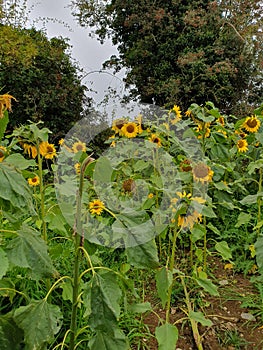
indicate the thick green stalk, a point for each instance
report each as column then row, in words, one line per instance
column 171, row 267
column 77, row 256
column 42, row 196
column 259, row 200
column 205, row 247
column 194, row 327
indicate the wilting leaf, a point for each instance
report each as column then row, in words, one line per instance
column 40, row 321
column 29, row 250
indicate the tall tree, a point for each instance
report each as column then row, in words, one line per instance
column 183, row 51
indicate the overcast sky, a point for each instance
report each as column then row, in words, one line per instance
column 86, row 50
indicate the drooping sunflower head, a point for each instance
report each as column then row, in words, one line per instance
column 130, row 130
column 251, row 124
column 96, row 207
column 117, row 125
column 30, row 149
column 155, row 139
column 203, row 129
column 242, row 145
column 33, row 181
column 221, row 120
column 47, row 150
column 185, row 165
column 188, row 220
column 79, row 147
column 128, row 186
column 5, row 103
column 2, row 153
column 202, row 173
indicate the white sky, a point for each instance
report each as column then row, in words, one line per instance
column 86, row 50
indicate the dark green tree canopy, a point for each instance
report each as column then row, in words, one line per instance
column 40, row 74
column 184, row 51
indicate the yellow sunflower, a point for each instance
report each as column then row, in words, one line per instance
column 178, row 114
column 130, row 130
column 96, row 207
column 138, row 120
column 33, row 181
column 202, row 173
column 31, row 150
column 2, row 153
column 188, row 220
column 79, row 146
column 251, row 124
column 47, row 150
column 117, row 125
column 188, row 113
column 61, row 142
column 77, row 167
column 203, row 129
column 242, row 145
column 221, row 120
column 5, row 103
column 155, row 139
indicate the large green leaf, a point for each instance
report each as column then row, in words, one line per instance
column 11, row 335
column 167, row 336
column 223, row 248
column 3, row 124
column 14, row 189
column 40, row 321
column 18, row 161
column 3, row 263
column 164, row 279
column 198, row 316
column 115, row 340
column 105, row 295
column 208, row 286
column 143, row 256
column 29, row 250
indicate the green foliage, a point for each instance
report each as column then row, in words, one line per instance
column 40, row 74
column 183, row 51
column 167, row 336
column 40, row 321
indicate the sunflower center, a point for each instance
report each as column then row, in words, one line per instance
column 49, row 149
column 252, row 123
column 241, row 143
column 130, row 129
column 2, row 154
column 156, row 140
column 201, row 171
column 128, row 185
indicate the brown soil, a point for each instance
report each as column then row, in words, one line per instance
column 230, row 330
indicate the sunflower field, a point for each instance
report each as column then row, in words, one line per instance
column 94, row 245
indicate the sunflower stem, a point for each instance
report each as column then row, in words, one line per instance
column 77, row 256
column 171, row 267
column 259, row 200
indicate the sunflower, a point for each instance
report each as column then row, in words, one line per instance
column 251, row 124
column 138, row 120
column 96, row 207
column 33, row 181
column 178, row 114
column 61, row 142
column 31, row 150
column 188, row 113
column 2, row 153
column 77, row 167
column 117, row 125
column 79, row 146
column 202, row 173
column 185, row 165
column 130, row 130
column 189, row 219
column 5, row 103
column 47, row 150
column 128, row 186
column 155, row 139
column 221, row 120
column 242, row 145
column 204, row 129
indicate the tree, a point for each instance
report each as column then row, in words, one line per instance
column 40, row 74
column 183, row 51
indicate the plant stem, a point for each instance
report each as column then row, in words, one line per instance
column 77, row 256
column 194, row 327
column 42, row 196
column 259, row 200
column 171, row 267
column 205, row 247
